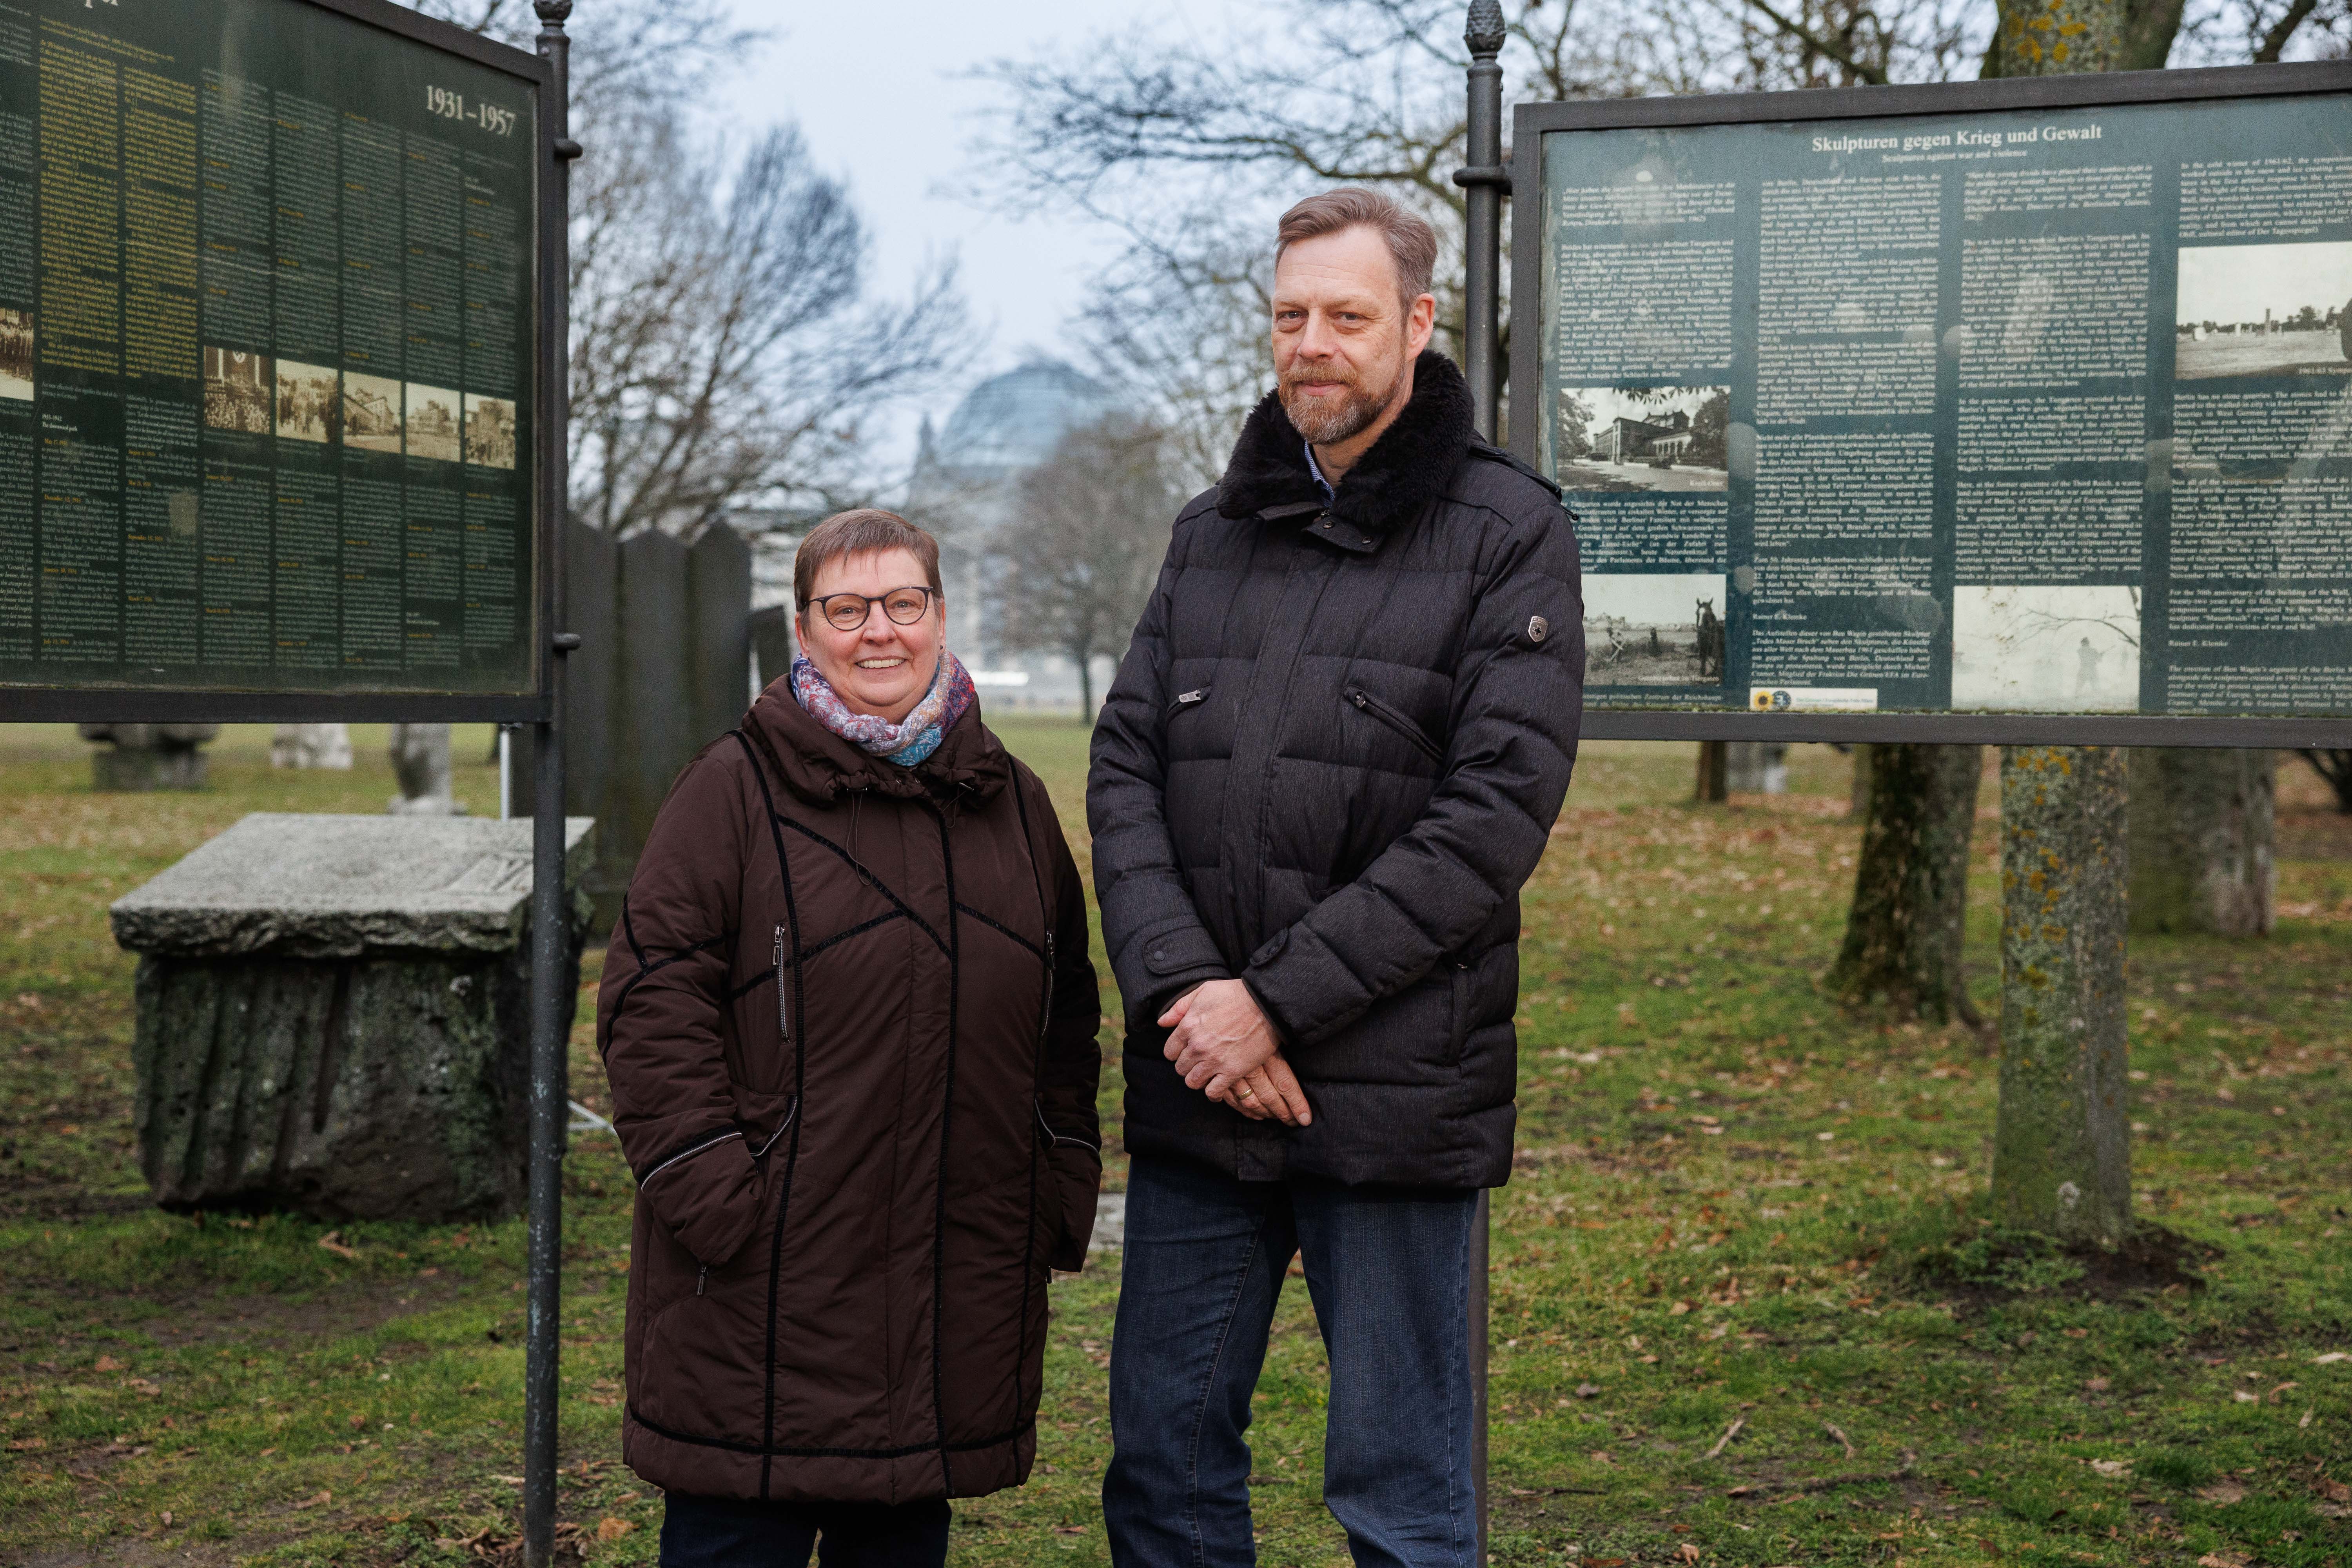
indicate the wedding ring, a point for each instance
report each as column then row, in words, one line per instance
column 1247, row 1093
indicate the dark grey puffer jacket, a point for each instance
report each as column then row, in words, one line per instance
column 1331, row 757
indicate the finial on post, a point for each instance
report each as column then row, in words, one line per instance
column 552, row 13
column 1484, row 30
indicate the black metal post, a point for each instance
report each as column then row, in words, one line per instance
column 1485, row 181
column 551, row 913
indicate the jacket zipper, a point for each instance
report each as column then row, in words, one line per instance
column 1365, row 702
column 1186, row 699
column 1045, row 1023
column 783, row 995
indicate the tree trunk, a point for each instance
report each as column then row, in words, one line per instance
column 2061, row 1147
column 1713, row 771
column 2201, row 842
column 2062, row 1153
column 2336, row 767
column 1903, row 932
column 1858, row 799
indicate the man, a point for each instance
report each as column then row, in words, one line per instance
column 1331, row 758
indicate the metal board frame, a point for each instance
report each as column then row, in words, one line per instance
column 1529, row 123
column 128, row 704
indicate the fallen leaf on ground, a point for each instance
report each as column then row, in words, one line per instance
column 2112, row 1467
column 329, row 1243
column 2335, row 1491
column 2222, row 1494
column 2220, row 1560
column 1687, row 1552
column 2331, row 1358
column 315, row 1499
column 107, row 1363
column 2096, row 1385
column 610, row 1529
column 2242, row 1398
column 1587, row 1390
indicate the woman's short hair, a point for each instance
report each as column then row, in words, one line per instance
column 861, row 532
column 1412, row 244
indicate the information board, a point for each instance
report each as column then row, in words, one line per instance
column 1932, row 403
column 268, row 356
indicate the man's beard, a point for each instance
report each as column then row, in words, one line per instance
column 1325, row 421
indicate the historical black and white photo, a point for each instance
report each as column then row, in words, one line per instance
column 1642, row 438
column 2042, row 649
column 432, row 428
column 238, row 388
column 372, row 412
column 489, row 431
column 2264, row 310
column 16, row 355
column 1654, row 630
column 309, row 402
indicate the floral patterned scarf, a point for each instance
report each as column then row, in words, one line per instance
column 907, row 741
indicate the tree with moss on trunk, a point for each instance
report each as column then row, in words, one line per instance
column 1904, row 930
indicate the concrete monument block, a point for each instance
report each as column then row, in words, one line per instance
column 148, row 756
column 1757, row 767
column 333, row 1015
column 311, row 746
column 420, row 761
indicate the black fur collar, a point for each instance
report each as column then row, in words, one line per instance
column 1388, row 488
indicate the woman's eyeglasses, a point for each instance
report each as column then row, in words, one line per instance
column 847, row 612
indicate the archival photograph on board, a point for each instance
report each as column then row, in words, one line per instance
column 1641, row 437
column 309, row 402
column 490, row 431
column 2264, row 310
column 16, row 355
column 2028, row 648
column 238, row 388
column 1642, row 630
column 371, row 413
column 432, row 428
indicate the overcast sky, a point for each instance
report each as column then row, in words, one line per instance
column 879, row 93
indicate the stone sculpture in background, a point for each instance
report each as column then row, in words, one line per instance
column 333, row 1015
column 420, row 760
column 311, row 746
column 148, row 756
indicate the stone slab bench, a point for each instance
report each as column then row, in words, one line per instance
column 333, row 1015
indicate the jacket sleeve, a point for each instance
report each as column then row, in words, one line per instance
column 1073, row 1075
column 1517, row 701
column 1156, row 941
column 658, row 1009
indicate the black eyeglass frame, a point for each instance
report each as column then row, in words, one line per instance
column 871, row 600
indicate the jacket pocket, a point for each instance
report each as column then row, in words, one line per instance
column 1363, row 701
column 1186, row 701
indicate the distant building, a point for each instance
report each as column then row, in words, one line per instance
column 965, row 487
column 1645, row 440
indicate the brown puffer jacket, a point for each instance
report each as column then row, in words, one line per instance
column 861, row 1119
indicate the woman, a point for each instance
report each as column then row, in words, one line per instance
column 849, row 1020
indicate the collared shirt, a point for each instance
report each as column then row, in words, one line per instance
column 1329, row 495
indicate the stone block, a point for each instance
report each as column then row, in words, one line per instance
column 333, row 1015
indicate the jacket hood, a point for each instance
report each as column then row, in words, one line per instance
column 1406, row 468
column 970, row 764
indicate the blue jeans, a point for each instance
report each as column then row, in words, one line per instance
column 1388, row 1270
column 723, row 1532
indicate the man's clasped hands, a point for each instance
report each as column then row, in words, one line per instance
column 1222, row 1046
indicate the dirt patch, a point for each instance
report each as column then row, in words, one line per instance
column 1998, row 1265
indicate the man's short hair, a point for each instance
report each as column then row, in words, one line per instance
column 859, row 533
column 1412, row 244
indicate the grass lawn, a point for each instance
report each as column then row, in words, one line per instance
column 1744, row 1309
